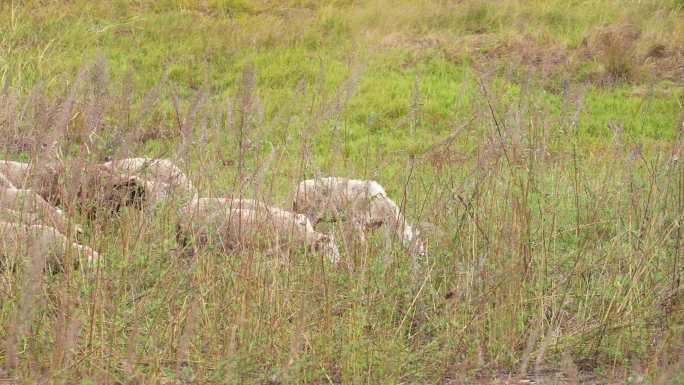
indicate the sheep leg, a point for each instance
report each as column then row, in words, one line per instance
column 387, row 260
column 53, row 214
column 361, row 233
column 186, row 248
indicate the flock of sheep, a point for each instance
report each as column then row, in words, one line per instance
column 32, row 222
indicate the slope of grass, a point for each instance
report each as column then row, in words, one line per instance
column 555, row 242
column 288, row 42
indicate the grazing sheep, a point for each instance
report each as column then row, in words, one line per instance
column 19, row 239
column 98, row 187
column 247, row 223
column 4, row 182
column 159, row 178
column 33, row 209
column 44, row 181
column 362, row 203
column 15, row 173
column 245, row 203
column 90, row 188
column 115, row 184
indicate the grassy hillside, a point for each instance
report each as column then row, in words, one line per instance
column 534, row 143
column 635, row 49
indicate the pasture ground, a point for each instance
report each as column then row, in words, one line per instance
column 537, row 144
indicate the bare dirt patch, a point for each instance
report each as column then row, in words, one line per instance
column 529, row 52
column 399, row 40
column 521, row 51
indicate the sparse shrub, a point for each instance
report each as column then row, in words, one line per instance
column 614, row 47
column 620, row 60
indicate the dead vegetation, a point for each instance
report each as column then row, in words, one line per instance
column 616, row 53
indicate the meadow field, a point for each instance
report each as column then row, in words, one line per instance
column 537, row 145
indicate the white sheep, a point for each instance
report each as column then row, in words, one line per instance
column 5, row 182
column 159, row 178
column 14, row 174
column 27, row 206
column 246, row 223
column 246, row 203
column 43, row 181
column 123, row 182
column 19, row 240
column 362, row 203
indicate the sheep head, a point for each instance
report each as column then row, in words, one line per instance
column 325, row 244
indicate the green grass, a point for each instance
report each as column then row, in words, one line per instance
column 191, row 40
column 550, row 241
